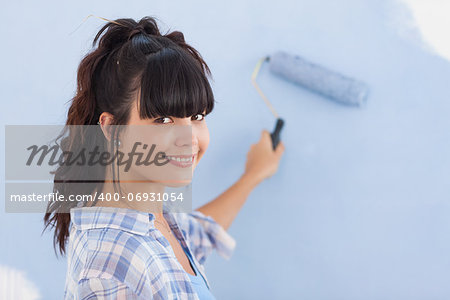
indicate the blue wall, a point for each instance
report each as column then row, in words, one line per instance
column 359, row 208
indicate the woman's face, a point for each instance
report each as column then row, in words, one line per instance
column 195, row 125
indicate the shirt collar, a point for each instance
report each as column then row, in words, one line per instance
column 134, row 221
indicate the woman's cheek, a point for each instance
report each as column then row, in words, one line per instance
column 203, row 140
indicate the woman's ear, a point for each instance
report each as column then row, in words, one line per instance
column 104, row 121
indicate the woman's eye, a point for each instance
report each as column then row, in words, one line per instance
column 202, row 117
column 162, row 120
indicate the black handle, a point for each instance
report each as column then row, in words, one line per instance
column 275, row 135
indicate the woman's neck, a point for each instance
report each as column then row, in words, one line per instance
column 133, row 195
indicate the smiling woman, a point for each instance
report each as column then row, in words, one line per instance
column 140, row 78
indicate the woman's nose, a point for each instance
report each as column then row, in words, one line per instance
column 188, row 139
column 186, row 136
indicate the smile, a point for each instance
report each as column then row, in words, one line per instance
column 181, row 158
column 182, row 161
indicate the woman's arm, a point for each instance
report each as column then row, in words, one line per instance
column 262, row 162
column 225, row 207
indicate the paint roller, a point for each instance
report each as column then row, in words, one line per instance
column 314, row 77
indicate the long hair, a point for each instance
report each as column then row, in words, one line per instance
column 132, row 57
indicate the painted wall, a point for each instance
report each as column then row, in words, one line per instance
column 359, row 208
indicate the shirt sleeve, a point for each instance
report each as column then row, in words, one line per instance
column 104, row 289
column 204, row 235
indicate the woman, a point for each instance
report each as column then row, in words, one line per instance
column 135, row 249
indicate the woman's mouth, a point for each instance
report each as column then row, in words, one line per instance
column 182, row 161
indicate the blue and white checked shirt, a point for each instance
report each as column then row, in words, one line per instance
column 117, row 253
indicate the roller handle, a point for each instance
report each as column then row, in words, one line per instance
column 275, row 135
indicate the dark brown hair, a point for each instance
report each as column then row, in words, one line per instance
column 130, row 56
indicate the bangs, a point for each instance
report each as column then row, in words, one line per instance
column 174, row 84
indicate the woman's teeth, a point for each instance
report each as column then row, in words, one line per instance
column 180, row 159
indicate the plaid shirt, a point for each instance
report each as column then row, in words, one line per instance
column 117, row 253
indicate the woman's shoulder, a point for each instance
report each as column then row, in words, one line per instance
column 104, row 245
column 110, row 245
column 104, row 248
column 110, row 255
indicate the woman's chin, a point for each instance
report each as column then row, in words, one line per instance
column 178, row 183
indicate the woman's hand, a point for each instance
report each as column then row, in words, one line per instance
column 262, row 161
